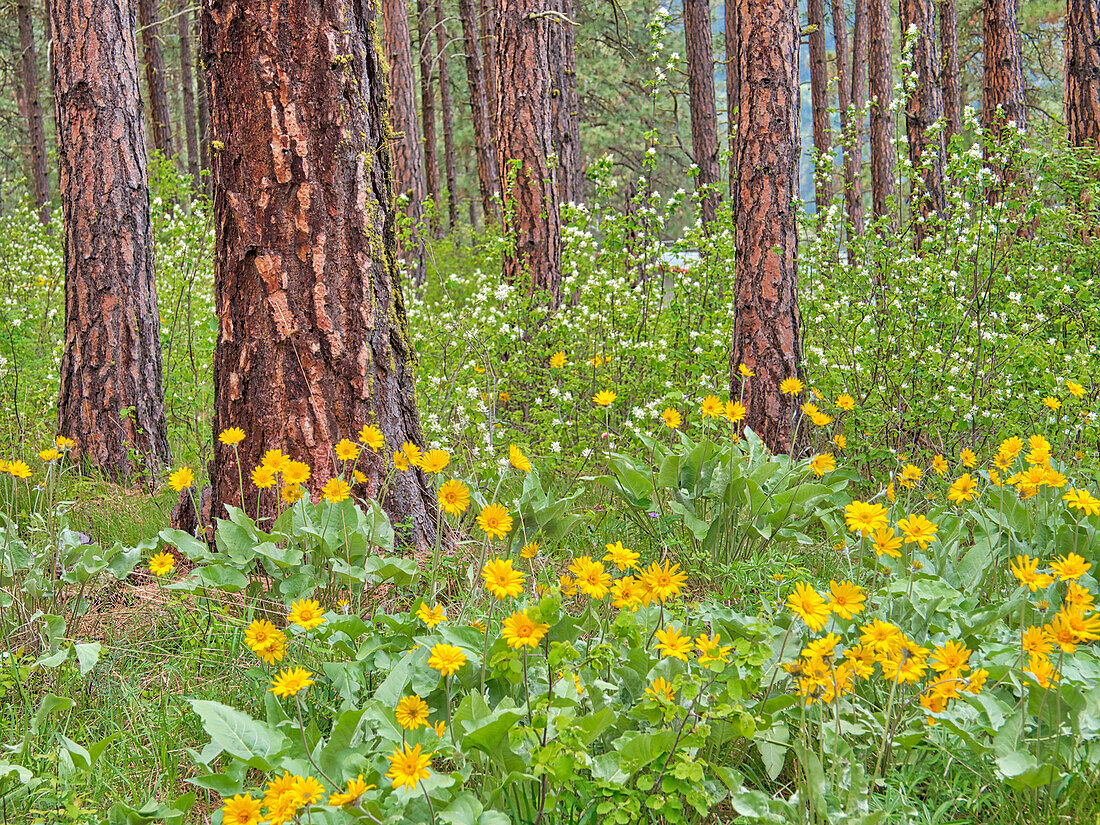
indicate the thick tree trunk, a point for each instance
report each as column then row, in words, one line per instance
column 484, row 145
column 526, row 136
column 566, row 104
column 880, row 75
column 488, row 25
column 853, row 187
column 112, row 396
column 704, row 113
column 766, row 333
column 32, row 103
column 1003, row 75
column 733, row 89
column 949, row 74
column 1082, row 87
column 408, row 154
column 819, row 83
column 441, row 42
column 923, row 107
column 427, row 109
column 183, row 23
column 313, row 340
column 156, row 77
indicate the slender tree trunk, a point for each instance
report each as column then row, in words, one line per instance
column 156, row 80
column 112, row 396
column 408, row 154
column 704, row 113
column 924, row 106
column 489, row 26
column 766, row 333
column 880, row 75
column 853, row 188
column 566, row 104
column 949, row 74
column 526, row 135
column 427, row 109
column 313, row 340
column 1082, row 86
column 858, row 90
column 733, row 91
column 441, row 42
column 204, row 127
column 484, row 145
column 1003, row 75
column 819, row 83
column 36, row 130
column 183, row 22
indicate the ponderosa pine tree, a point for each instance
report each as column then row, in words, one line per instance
column 880, row 83
column 313, row 340
column 819, row 84
column 701, row 103
column 858, row 102
column 112, row 394
column 488, row 27
column 565, row 108
column 1003, row 73
column 156, row 77
column 526, row 137
column 187, row 82
column 1082, row 72
column 484, row 146
column 766, row 331
column 30, row 106
column 923, row 107
column 853, row 185
column 441, row 41
column 427, row 109
column 733, row 90
column 949, row 68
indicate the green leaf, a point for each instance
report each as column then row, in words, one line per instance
column 87, row 654
column 238, row 734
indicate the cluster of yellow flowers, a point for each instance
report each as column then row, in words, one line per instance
column 285, row 797
column 21, row 471
column 658, row 582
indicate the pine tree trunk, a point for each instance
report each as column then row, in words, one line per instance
column 112, row 396
column 1082, row 86
column 441, row 42
column 204, row 126
column 32, row 103
column 566, row 104
column 1003, row 75
column 427, row 110
column 526, row 135
column 880, row 76
column 853, row 191
column 408, row 153
column 924, row 106
column 484, row 145
column 949, row 76
column 819, row 83
column 766, row 333
column 701, row 102
column 489, row 24
column 858, row 89
column 313, row 340
column 156, row 77
column 183, row 23
column 733, row 89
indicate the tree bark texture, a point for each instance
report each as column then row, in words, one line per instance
column 32, row 104
column 923, row 107
column 484, row 145
column 880, row 78
column 408, row 153
column 949, row 73
column 566, row 104
column 1003, row 73
column 701, row 102
column 441, row 42
column 819, row 84
column 156, row 77
column 525, row 117
column 858, row 90
column 427, row 109
column 183, row 23
column 853, row 189
column 1082, row 86
column 313, row 340
column 112, row 394
column 733, row 91
column 766, row 334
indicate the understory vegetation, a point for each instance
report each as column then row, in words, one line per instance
column 638, row 614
